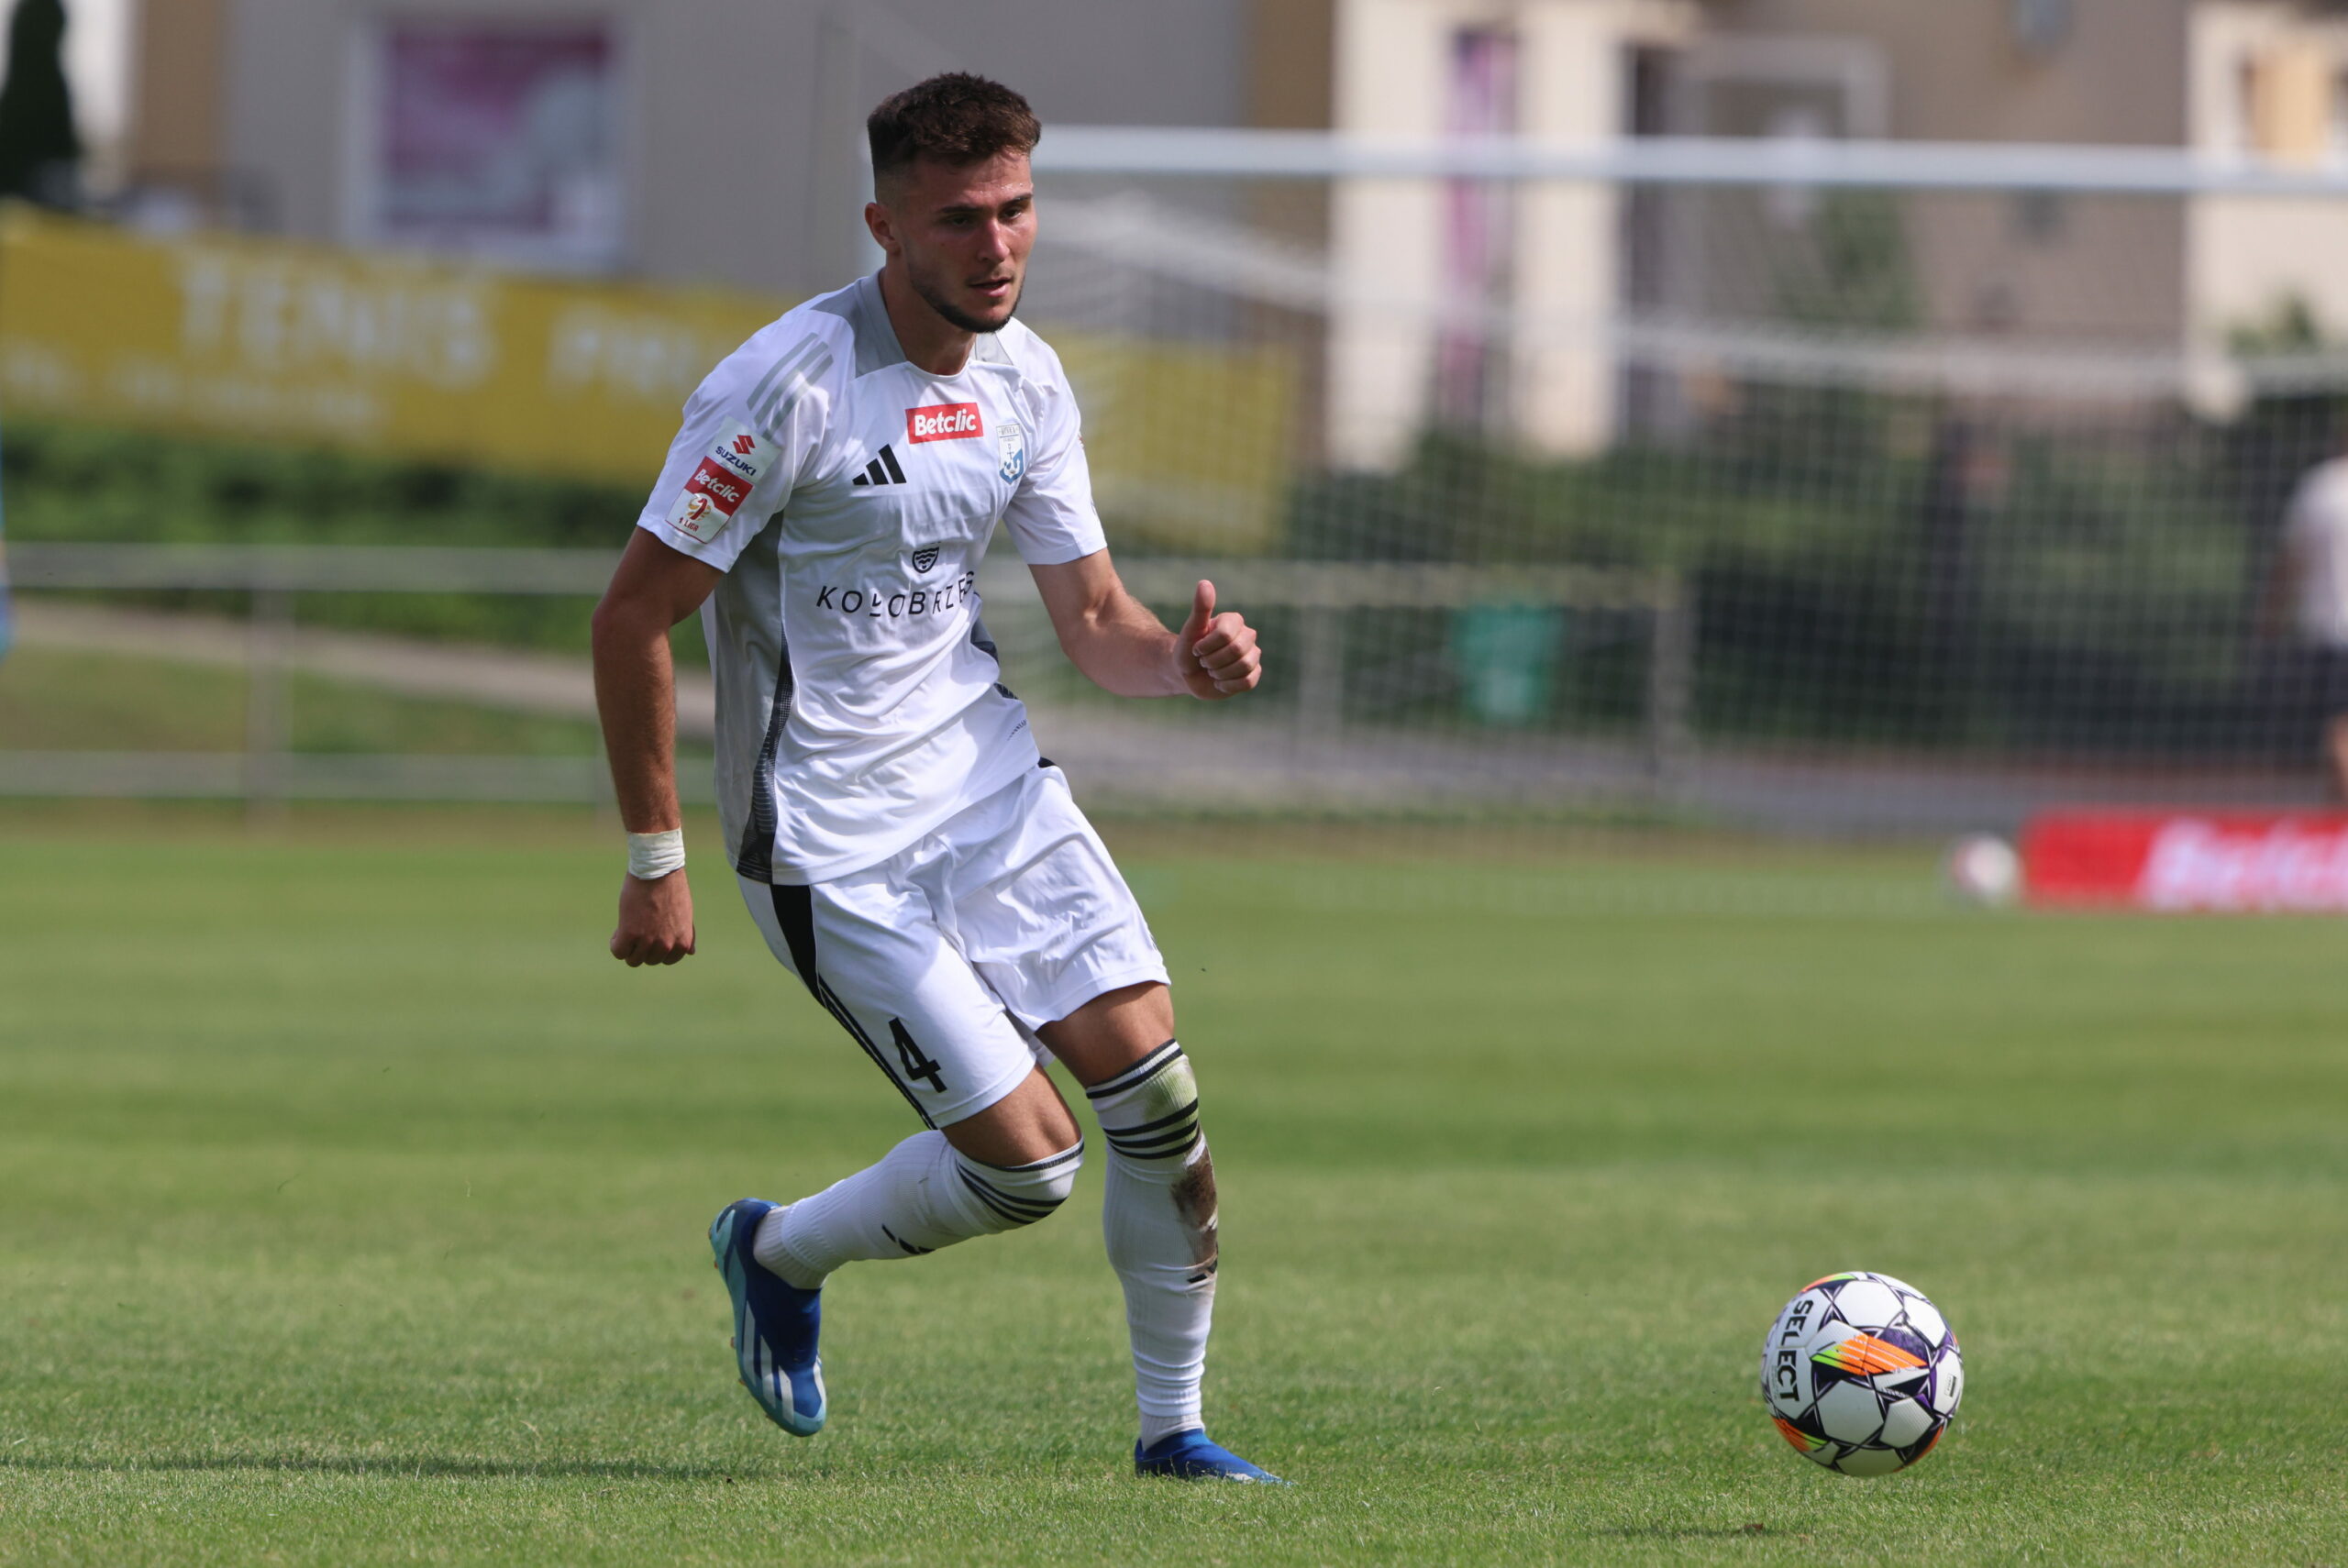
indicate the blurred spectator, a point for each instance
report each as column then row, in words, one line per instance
column 1964, row 484
column 2310, row 585
column 41, row 152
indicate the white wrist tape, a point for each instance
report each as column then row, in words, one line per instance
column 655, row 854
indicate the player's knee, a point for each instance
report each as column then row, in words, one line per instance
column 1011, row 1196
column 1150, row 1111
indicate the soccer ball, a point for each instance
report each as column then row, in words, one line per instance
column 1982, row 868
column 1861, row 1374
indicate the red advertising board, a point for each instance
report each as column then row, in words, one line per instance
column 2232, row 861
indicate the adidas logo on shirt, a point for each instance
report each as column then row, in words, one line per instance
column 884, row 469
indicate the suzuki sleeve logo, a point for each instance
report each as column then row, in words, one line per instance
column 729, row 469
column 944, row 421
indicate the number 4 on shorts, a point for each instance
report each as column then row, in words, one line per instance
column 908, row 1057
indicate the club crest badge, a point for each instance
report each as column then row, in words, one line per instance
column 1014, row 451
column 925, row 558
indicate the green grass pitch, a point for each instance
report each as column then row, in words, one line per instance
column 351, row 1207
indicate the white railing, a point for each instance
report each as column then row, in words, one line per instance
column 269, row 770
column 1802, row 162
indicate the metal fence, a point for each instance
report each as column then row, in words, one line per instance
column 1301, row 751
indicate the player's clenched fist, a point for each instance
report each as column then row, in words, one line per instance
column 1217, row 653
column 656, row 920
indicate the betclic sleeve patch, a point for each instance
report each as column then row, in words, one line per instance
column 716, row 488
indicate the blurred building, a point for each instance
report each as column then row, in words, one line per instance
column 717, row 141
column 2268, row 77
column 705, row 140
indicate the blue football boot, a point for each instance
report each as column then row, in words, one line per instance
column 775, row 1324
column 1190, row 1456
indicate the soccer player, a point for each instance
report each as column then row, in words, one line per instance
column 901, row 845
column 2310, row 582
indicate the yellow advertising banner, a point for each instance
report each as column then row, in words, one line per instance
column 403, row 356
column 1190, row 444
column 409, row 357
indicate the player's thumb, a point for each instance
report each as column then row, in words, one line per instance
column 1201, row 611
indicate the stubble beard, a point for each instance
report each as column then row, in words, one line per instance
column 934, row 298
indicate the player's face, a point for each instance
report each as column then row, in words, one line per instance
column 964, row 233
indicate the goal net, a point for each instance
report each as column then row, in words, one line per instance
column 1768, row 492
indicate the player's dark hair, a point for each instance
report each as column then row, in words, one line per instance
column 955, row 119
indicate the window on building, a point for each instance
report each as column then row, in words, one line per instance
column 2041, row 27
column 496, row 138
column 1478, row 230
column 2287, row 100
column 2246, row 117
column 2041, row 216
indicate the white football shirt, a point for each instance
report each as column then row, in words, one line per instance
column 2316, row 533
column 848, row 496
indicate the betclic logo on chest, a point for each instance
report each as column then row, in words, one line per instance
column 944, row 421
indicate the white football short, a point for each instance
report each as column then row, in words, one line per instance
column 942, row 960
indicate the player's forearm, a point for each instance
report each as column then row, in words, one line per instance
column 636, row 696
column 1124, row 650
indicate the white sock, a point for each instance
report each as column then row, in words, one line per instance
column 921, row 1197
column 1158, row 1218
